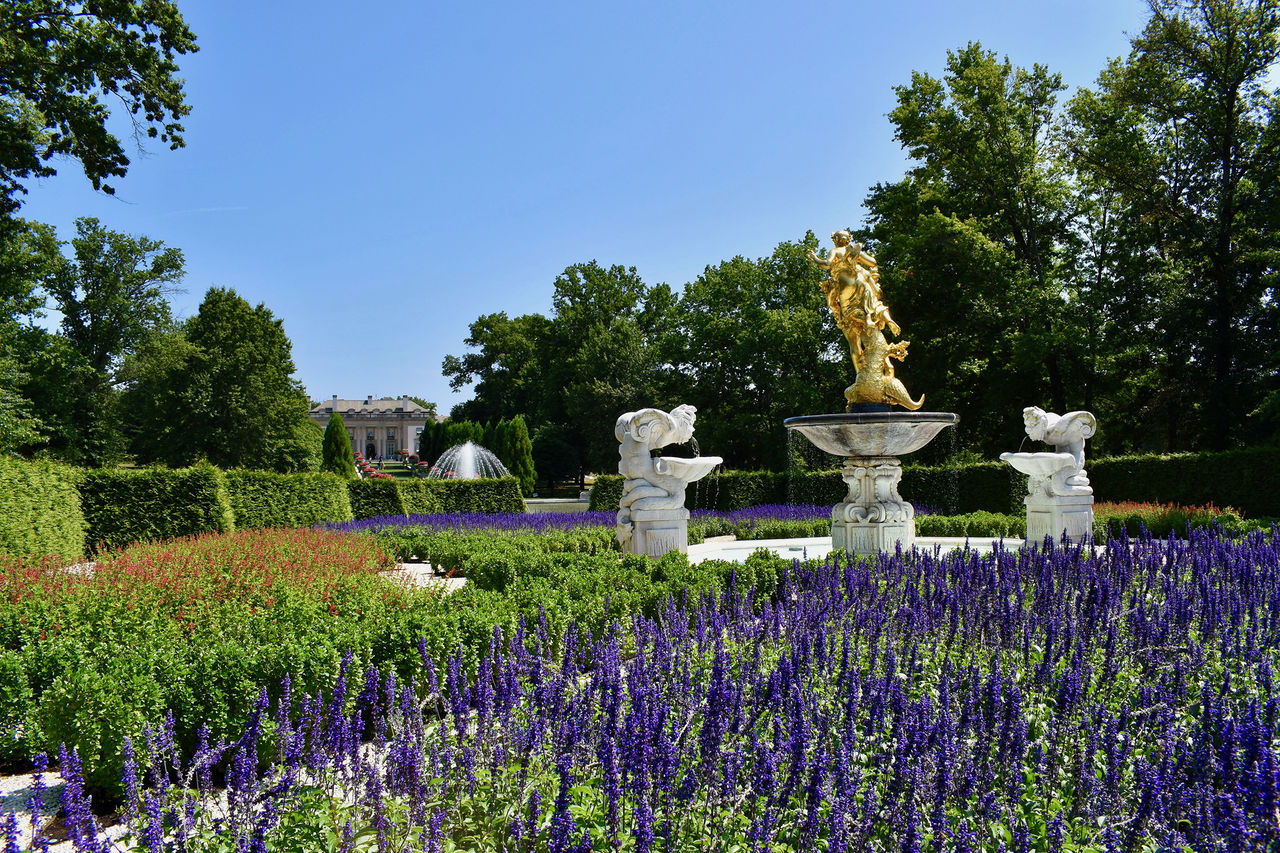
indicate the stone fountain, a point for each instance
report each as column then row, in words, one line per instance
column 467, row 461
column 870, row 435
column 1059, row 498
column 652, row 519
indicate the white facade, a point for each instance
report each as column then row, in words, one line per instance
column 377, row 428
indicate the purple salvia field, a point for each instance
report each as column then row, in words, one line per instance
column 1013, row 701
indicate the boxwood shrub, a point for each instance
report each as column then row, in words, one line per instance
column 375, row 498
column 123, row 506
column 39, row 509
column 266, row 499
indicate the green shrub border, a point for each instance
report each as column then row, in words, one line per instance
column 266, row 499
column 123, row 506
column 39, row 509
column 1189, row 479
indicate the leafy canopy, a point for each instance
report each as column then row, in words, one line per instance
column 62, row 63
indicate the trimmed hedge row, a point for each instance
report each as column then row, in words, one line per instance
column 951, row 489
column 47, row 508
column 375, row 498
column 1242, row 479
column 266, row 499
column 39, row 510
column 123, row 506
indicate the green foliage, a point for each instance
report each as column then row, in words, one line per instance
column 111, row 296
column 230, row 398
column 198, row 625
column 753, row 343
column 124, row 506
column 372, row 498
column 338, row 456
column 1177, row 144
column 517, row 450
column 39, row 509
column 971, row 244
column 461, row 431
column 1241, row 479
column 421, row 497
column 266, row 499
column 974, row 524
column 60, row 60
column 432, row 441
column 1184, row 479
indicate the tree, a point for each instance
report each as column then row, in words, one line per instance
column 518, row 449
column 424, row 403
column 754, row 344
column 232, row 398
column 506, row 367
column 60, row 61
column 431, row 442
column 972, row 243
column 112, row 294
column 1184, row 132
column 338, row 457
column 27, row 253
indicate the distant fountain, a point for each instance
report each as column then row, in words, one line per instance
column 467, row 461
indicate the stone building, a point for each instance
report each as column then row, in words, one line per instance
column 377, row 428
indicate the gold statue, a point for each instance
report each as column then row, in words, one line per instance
column 854, row 297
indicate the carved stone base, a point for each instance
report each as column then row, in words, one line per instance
column 1051, row 516
column 659, row 531
column 873, row 517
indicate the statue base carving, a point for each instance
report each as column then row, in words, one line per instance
column 656, row 532
column 1054, row 515
column 873, row 517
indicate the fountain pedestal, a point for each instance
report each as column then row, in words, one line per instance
column 659, row 531
column 1054, row 515
column 873, row 517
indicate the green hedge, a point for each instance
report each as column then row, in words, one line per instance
column 985, row 486
column 39, row 509
column 372, row 498
column 123, row 506
column 1242, row 479
column 267, row 499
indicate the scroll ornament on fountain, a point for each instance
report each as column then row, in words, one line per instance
column 652, row 519
column 1059, row 498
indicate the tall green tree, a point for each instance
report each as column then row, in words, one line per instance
column 505, row 366
column 28, row 252
column 112, row 293
column 61, row 65
column 338, row 456
column 231, row 398
column 1184, row 132
column 972, row 243
column 518, row 449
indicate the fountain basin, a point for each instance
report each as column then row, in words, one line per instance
column 872, row 433
column 1042, row 464
column 687, row 469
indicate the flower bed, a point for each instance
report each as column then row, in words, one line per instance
column 1048, row 701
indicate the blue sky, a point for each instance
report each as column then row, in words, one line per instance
column 380, row 176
